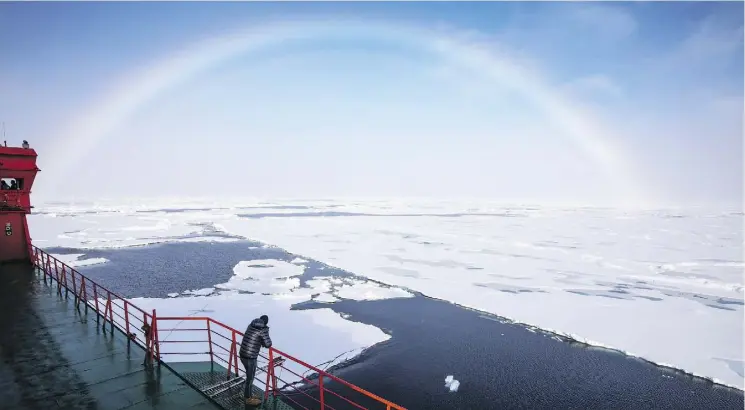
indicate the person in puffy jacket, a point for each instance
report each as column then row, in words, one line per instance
column 256, row 336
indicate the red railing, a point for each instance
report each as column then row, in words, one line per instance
column 11, row 198
column 205, row 339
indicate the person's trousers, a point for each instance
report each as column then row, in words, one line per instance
column 250, row 366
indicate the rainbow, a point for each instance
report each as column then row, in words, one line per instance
column 138, row 88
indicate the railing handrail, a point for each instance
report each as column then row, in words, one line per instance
column 321, row 373
column 151, row 334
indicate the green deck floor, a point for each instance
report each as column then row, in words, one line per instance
column 54, row 357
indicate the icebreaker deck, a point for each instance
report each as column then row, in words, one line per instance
column 58, row 356
column 55, row 356
column 208, row 346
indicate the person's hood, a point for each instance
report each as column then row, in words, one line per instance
column 258, row 324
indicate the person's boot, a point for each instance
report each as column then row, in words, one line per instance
column 253, row 401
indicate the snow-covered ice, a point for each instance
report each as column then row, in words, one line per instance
column 74, row 261
column 199, row 292
column 92, row 229
column 358, row 290
column 325, row 298
column 264, row 276
column 665, row 285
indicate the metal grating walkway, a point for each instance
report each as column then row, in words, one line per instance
column 212, row 381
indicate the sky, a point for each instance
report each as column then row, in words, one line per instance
column 593, row 103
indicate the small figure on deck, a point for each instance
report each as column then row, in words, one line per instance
column 4, row 185
column 256, row 336
column 13, row 185
column 25, row 144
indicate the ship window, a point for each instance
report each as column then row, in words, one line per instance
column 11, row 183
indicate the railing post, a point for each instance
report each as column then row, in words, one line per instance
column 40, row 266
column 146, row 330
column 274, row 381
column 105, row 313
column 110, row 308
column 237, row 355
column 152, row 336
column 269, row 374
column 126, row 319
column 83, row 294
column 56, row 276
column 64, row 279
column 95, row 297
column 320, row 387
column 74, row 286
column 156, row 341
column 209, row 339
column 234, row 357
column 59, row 278
column 230, row 358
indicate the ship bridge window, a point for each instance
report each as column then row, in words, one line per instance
column 11, row 183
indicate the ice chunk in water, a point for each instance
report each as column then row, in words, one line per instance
column 451, row 383
column 448, row 380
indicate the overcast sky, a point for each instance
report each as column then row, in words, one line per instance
column 572, row 102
